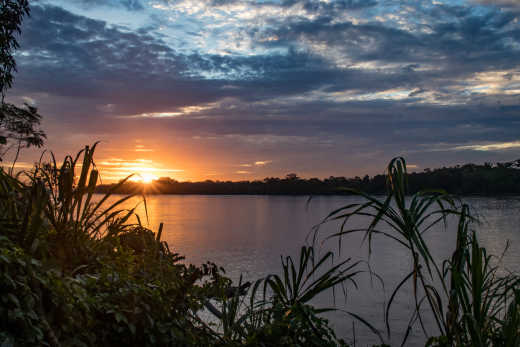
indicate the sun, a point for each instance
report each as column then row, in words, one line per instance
column 144, row 177
column 148, row 178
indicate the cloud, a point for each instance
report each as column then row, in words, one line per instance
column 142, row 148
column 114, row 169
column 490, row 147
column 358, row 61
column 263, row 162
column 156, row 115
column 132, row 5
column 269, row 78
column 29, row 100
column 435, row 53
column 506, row 4
column 17, row 165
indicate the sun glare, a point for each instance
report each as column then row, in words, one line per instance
column 142, row 170
column 144, row 177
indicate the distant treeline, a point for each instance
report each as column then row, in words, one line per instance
column 469, row 179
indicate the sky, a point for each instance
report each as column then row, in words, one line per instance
column 246, row 89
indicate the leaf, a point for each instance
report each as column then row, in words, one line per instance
column 13, row 299
column 8, row 342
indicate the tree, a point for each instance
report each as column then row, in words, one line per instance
column 18, row 126
column 292, row 177
column 11, row 16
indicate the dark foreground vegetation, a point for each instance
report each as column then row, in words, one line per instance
column 469, row 179
column 74, row 272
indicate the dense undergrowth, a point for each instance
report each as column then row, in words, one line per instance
column 75, row 271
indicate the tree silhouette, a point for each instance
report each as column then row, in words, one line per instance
column 18, row 126
column 469, row 179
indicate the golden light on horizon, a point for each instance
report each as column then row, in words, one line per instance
column 144, row 177
column 182, row 163
column 143, row 170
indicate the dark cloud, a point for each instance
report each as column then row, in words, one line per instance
column 132, row 5
column 140, row 73
column 101, row 58
column 87, row 58
column 329, row 8
column 504, row 4
column 308, row 5
column 473, row 42
column 310, row 83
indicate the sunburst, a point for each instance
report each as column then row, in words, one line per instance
column 144, row 177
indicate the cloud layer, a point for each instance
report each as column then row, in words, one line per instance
column 318, row 87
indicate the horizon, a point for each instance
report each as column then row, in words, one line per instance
column 150, row 180
column 242, row 89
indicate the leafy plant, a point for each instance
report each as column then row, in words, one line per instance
column 279, row 312
column 469, row 301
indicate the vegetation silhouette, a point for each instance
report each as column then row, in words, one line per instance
column 18, row 126
column 472, row 302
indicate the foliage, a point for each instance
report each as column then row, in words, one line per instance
column 284, row 315
column 74, row 277
column 11, row 16
column 18, row 126
column 471, row 303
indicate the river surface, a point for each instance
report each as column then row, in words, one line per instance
column 247, row 235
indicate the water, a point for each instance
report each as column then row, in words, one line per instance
column 247, row 234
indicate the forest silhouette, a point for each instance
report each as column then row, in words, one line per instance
column 469, row 179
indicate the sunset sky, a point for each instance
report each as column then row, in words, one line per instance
column 243, row 89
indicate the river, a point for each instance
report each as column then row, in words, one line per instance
column 247, row 234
